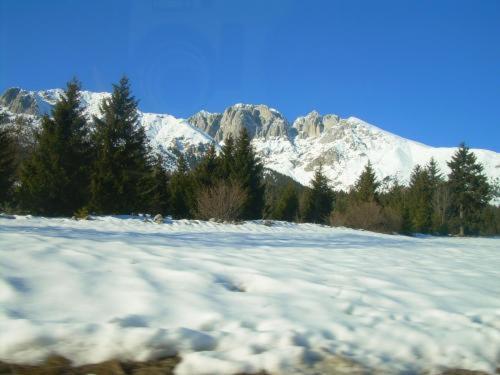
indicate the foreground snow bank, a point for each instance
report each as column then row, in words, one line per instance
column 241, row 298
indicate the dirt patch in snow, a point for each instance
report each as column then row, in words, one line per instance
column 57, row 365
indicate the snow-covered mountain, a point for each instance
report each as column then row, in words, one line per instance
column 295, row 149
column 166, row 133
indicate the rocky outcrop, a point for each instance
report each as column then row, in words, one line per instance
column 19, row 101
column 206, row 121
column 259, row 120
column 314, row 125
column 341, row 146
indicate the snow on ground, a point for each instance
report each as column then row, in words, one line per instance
column 240, row 298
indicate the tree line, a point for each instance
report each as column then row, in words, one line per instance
column 105, row 165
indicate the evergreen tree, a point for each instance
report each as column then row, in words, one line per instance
column 206, row 172
column 246, row 171
column 158, row 192
column 287, row 205
column 122, row 165
column 420, row 200
column 439, row 197
column 434, row 174
column 318, row 200
column 469, row 189
column 182, row 196
column 396, row 198
column 55, row 179
column 365, row 189
column 226, row 165
column 7, row 164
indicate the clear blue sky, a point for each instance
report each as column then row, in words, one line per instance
column 426, row 70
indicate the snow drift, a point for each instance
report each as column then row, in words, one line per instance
column 243, row 298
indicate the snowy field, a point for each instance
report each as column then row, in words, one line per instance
column 285, row 298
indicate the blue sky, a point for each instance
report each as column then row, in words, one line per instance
column 426, row 70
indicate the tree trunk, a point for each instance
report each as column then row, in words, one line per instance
column 461, row 220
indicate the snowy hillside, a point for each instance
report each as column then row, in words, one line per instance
column 166, row 133
column 288, row 299
column 295, row 149
column 346, row 147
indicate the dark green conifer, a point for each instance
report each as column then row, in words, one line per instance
column 246, row 171
column 158, row 192
column 206, row 173
column 439, row 197
column 7, row 165
column 469, row 190
column 122, row 165
column 318, row 200
column 365, row 189
column 420, row 200
column 181, row 189
column 226, row 165
column 55, row 179
column 287, row 205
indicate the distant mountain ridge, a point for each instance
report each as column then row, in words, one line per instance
column 342, row 146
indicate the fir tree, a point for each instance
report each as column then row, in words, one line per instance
column 206, row 172
column 7, row 164
column 287, row 205
column 365, row 189
column 469, row 189
column 396, row 198
column 318, row 200
column 55, row 179
column 181, row 189
column 420, row 200
column 122, row 165
column 439, row 201
column 226, row 165
column 246, row 171
column 158, row 192
column 435, row 175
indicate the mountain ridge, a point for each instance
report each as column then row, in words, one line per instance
column 295, row 149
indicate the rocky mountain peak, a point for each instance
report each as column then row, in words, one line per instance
column 206, row 121
column 260, row 121
column 19, row 101
column 313, row 124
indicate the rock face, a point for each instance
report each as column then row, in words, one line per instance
column 19, row 101
column 313, row 124
column 342, row 146
column 206, row 121
column 259, row 120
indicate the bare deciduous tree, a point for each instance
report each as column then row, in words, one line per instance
column 369, row 216
column 223, row 201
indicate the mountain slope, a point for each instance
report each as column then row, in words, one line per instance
column 343, row 146
column 167, row 134
column 295, row 149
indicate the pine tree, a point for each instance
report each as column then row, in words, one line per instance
column 181, row 189
column 435, row 175
column 365, row 189
column 206, row 172
column 318, row 200
column 7, row 165
column 158, row 191
column 469, row 190
column 246, row 171
column 420, row 200
column 55, row 179
column 287, row 205
column 122, row 165
column 438, row 188
column 396, row 198
column 226, row 165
